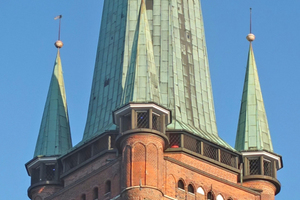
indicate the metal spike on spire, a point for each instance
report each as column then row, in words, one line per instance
column 59, row 44
column 250, row 20
column 250, row 37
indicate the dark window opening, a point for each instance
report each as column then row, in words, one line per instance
column 142, row 119
column 210, row 196
column 50, row 172
column 95, row 193
column 228, row 159
column 71, row 161
column 85, row 154
column 35, row 175
column 174, row 140
column 267, row 168
column 107, row 187
column 156, row 122
column 83, row 197
column 191, row 189
column 180, row 184
column 191, row 144
column 126, row 123
column 100, row 145
column 210, row 151
column 254, row 166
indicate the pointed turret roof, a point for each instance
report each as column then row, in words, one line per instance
column 141, row 83
column 54, row 135
column 253, row 130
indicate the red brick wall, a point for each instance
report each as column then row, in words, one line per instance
column 44, row 191
column 224, row 187
column 87, row 185
column 267, row 187
column 141, row 172
column 204, row 166
column 143, row 164
column 89, row 168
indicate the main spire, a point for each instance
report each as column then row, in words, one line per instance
column 54, row 135
column 153, row 52
column 253, row 130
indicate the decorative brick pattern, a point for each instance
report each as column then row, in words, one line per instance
column 139, row 164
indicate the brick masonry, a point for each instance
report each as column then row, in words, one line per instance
column 143, row 171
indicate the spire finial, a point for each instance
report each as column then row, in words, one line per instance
column 250, row 37
column 58, row 43
column 250, row 20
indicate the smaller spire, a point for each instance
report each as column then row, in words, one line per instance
column 59, row 44
column 253, row 130
column 142, row 83
column 54, row 135
column 250, row 37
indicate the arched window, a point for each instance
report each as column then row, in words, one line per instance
column 210, row 196
column 95, row 193
column 191, row 189
column 83, row 197
column 180, row 184
column 200, row 190
column 107, row 186
column 219, row 197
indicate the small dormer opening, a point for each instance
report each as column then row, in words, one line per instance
column 50, row 172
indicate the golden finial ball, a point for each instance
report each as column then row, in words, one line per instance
column 250, row 37
column 59, row 44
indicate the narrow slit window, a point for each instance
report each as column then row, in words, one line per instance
column 107, row 187
column 95, row 194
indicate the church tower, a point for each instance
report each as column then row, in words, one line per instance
column 253, row 138
column 151, row 130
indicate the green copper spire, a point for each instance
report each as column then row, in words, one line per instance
column 141, row 83
column 134, row 40
column 54, row 136
column 253, row 131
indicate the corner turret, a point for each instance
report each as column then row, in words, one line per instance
column 253, row 138
column 54, row 138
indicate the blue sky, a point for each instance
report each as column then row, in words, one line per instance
column 27, row 55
